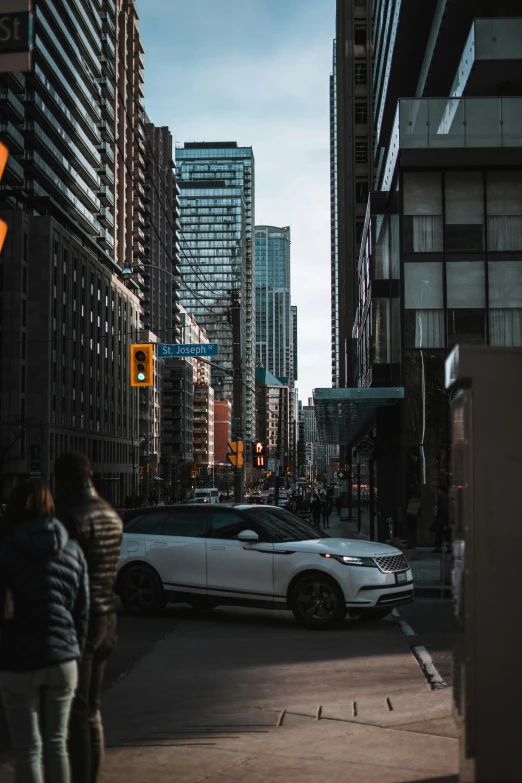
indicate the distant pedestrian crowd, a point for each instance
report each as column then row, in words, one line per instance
column 58, row 563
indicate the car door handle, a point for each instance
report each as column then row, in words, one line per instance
column 218, row 547
column 160, row 543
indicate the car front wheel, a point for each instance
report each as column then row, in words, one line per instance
column 317, row 601
column 140, row 591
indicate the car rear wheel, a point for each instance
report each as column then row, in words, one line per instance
column 140, row 591
column 317, row 601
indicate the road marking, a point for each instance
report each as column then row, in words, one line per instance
column 406, row 629
column 430, row 672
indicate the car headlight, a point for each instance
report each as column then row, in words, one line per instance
column 350, row 560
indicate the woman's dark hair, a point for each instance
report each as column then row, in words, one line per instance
column 72, row 468
column 30, row 500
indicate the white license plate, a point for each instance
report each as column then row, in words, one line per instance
column 402, row 577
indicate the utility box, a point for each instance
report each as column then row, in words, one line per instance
column 485, row 390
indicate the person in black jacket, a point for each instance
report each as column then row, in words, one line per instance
column 44, row 610
column 96, row 526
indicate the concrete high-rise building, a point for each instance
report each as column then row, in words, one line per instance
column 217, row 222
column 274, row 324
column 351, row 166
column 440, row 249
column 273, row 419
column 67, row 320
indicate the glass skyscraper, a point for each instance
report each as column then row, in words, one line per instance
column 216, row 180
column 274, row 318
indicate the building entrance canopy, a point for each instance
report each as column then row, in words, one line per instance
column 343, row 415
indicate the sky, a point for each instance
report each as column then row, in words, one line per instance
column 257, row 72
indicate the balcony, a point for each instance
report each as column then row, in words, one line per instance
column 137, row 220
column 12, row 108
column 106, row 174
column 137, row 233
column 106, row 152
column 137, row 205
column 106, row 217
column 106, row 195
column 105, row 238
column 138, row 174
column 453, row 123
column 106, row 131
column 12, row 137
column 137, row 249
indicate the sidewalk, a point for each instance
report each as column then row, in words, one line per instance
column 227, row 705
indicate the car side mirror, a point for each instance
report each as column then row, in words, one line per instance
column 248, row 536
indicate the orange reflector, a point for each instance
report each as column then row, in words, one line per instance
column 3, row 232
column 4, row 154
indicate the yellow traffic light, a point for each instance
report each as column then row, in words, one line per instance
column 142, row 365
column 4, row 154
column 236, row 456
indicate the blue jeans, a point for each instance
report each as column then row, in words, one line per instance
column 37, row 706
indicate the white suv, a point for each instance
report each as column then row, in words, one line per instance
column 260, row 556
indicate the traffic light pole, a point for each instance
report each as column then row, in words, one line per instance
column 237, row 390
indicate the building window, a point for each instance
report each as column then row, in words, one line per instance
column 422, row 212
column 464, row 210
column 361, row 73
column 424, row 298
column 505, row 303
column 361, row 113
column 504, row 198
column 361, row 152
column 361, row 192
column 359, row 35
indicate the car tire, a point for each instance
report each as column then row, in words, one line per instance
column 372, row 614
column 318, row 602
column 140, row 591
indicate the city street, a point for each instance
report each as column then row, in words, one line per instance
column 237, row 694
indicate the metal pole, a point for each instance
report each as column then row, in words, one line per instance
column 237, row 390
column 358, row 493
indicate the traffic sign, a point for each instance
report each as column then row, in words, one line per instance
column 16, row 35
column 192, row 350
column 365, row 447
column 341, row 474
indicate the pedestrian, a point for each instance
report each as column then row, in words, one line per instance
column 44, row 600
column 326, row 510
column 441, row 524
column 338, row 505
column 98, row 529
column 316, row 511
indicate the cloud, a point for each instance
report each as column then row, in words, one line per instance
column 256, row 72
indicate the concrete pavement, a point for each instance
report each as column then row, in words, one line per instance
column 237, row 696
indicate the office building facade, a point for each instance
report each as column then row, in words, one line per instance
column 351, row 171
column 67, row 319
column 216, row 180
column 440, row 254
column 274, row 317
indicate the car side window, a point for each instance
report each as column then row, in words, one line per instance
column 228, row 524
column 187, row 522
column 145, row 523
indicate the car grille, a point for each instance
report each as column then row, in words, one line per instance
column 389, row 565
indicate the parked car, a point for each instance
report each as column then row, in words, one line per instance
column 259, row 556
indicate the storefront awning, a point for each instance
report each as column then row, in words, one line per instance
column 343, row 415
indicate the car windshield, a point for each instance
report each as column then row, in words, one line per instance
column 282, row 527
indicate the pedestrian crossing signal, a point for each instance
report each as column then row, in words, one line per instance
column 141, row 365
column 258, row 454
